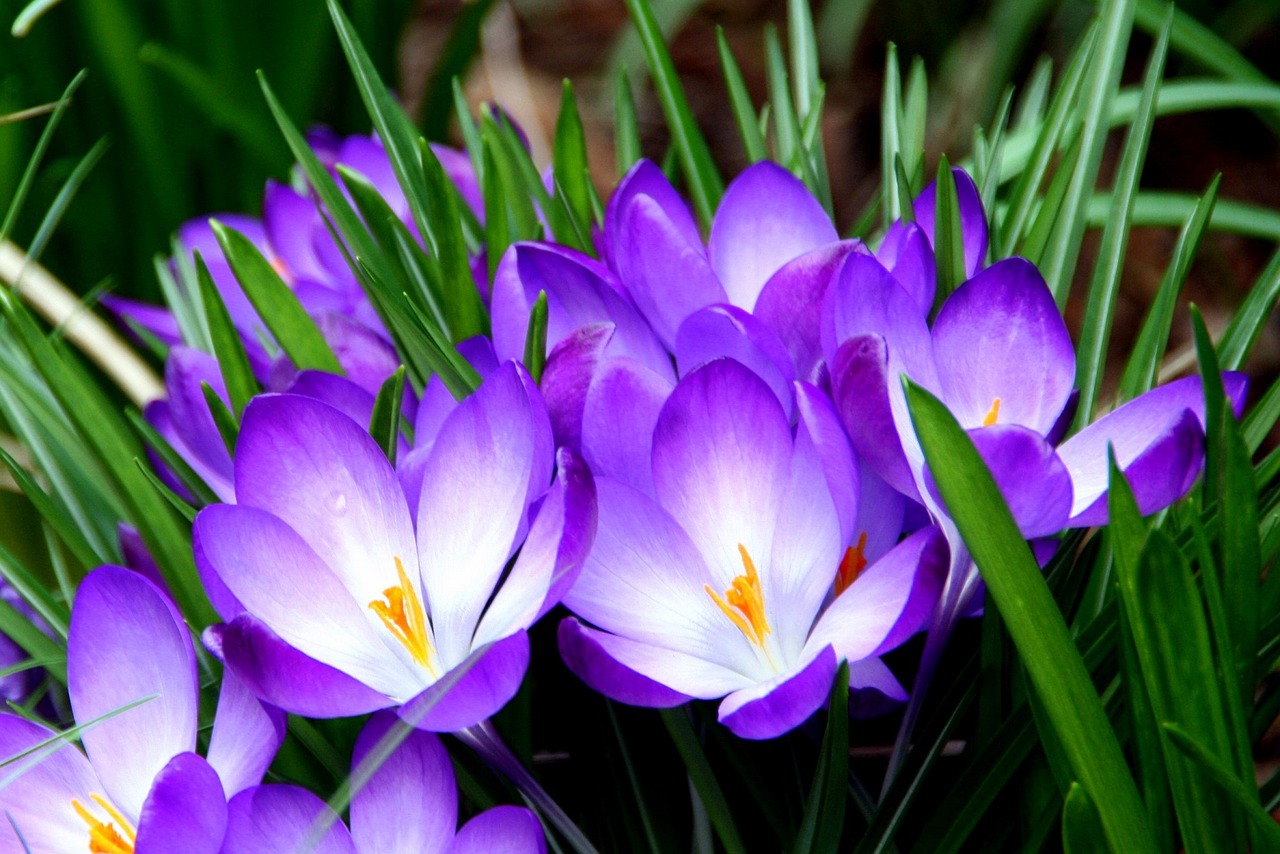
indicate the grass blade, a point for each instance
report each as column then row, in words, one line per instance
column 384, row 423
column 703, row 778
column 227, row 346
column 824, row 812
column 744, row 113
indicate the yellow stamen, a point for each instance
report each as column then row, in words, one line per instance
column 743, row 602
column 852, row 564
column 401, row 612
column 103, row 836
column 992, row 414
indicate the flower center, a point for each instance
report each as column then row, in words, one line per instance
column 103, row 836
column 401, row 612
column 852, row 564
column 992, row 414
column 743, row 602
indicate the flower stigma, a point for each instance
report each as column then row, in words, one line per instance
column 401, row 612
column 103, row 836
column 852, row 564
column 743, row 602
column 992, row 414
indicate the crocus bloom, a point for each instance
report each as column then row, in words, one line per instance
column 132, row 680
column 410, row 803
column 716, row 584
column 336, row 606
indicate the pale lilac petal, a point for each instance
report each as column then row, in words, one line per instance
column 321, row 473
column 246, row 735
column 973, row 222
column 567, row 377
column 819, row 423
column 725, row 331
column 475, row 490
column 880, row 517
column 860, row 381
column 907, row 253
column 888, row 602
column 185, row 372
column 769, row 709
column 185, row 810
column 682, row 673
column 621, row 410
column 552, row 555
column 438, row 401
column 36, row 791
column 284, row 818
column 339, row 392
column 512, row 830
column 284, row 677
column 411, row 801
column 668, row 277
column 721, row 464
column 127, row 643
column 791, row 302
column 584, row 655
column 1000, row 337
column 284, row 583
column 766, row 218
column 474, row 690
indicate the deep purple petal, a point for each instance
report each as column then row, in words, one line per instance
column 567, row 377
column 1000, row 340
column 474, row 690
column 284, row 677
column 772, row 708
column 410, row 803
column 819, row 423
column 127, row 643
column 725, row 331
column 202, row 446
column 284, row 818
column 512, row 830
column 621, row 410
column 289, row 218
column 601, row 672
column 906, row 252
column 973, row 222
column 873, row 689
column 185, row 810
column 246, row 735
column 860, row 381
column 339, row 392
column 136, row 556
column 157, row 320
column 766, row 218
column 646, row 179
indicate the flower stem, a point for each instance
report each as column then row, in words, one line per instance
column 485, row 741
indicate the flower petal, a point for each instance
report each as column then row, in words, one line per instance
column 646, row 179
column 36, row 791
column 727, row 331
column 567, row 377
column 584, row 655
column 681, row 673
column 618, row 418
column 505, row 828
column 472, row 691
column 820, row 424
column 860, row 389
column 907, row 253
column 283, row 818
column 873, row 689
column 766, row 218
column 410, row 803
column 246, row 735
column 185, row 809
column 1000, row 338
column 973, row 222
column 769, row 709
column 127, row 643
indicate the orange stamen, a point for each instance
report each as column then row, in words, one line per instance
column 743, row 602
column 852, row 564
column 103, row 836
column 992, row 414
column 402, row 613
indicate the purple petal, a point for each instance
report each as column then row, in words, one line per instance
column 474, row 690
column 819, row 424
column 873, row 689
column 438, row 401
column 584, row 655
column 157, row 320
column 364, row 353
column 202, row 445
column 618, row 418
column 567, row 377
column 721, row 464
column 646, row 179
column 888, row 602
column 185, row 809
column 766, row 218
column 367, row 156
column 339, row 392
column 127, row 643
column 246, row 735
column 410, row 803
column 906, row 252
column 880, row 517
column 780, row 705
column 284, row 677
column 136, row 556
column 36, row 791
column 1000, row 341
column 284, row 818
column 725, row 331
column 462, row 174
column 973, row 222
column 508, row 829
column 290, row 218
column 791, row 302
column 860, row 388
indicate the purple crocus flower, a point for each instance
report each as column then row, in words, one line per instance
column 141, row 787
column 410, row 803
column 340, row 601
column 721, row 581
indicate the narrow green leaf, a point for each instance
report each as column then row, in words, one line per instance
column 470, row 132
column 384, row 423
column 703, row 778
column 460, row 49
column 1260, row 420
column 1153, row 208
column 1197, row 42
column 701, row 177
column 162, row 489
column 535, row 339
column 743, row 111
column 181, row 468
column 803, row 44
column 275, row 303
column 1144, row 361
column 786, row 127
column 1034, row 622
column 1246, row 325
column 34, row 591
column 948, row 251
column 227, row 346
column 1265, row 831
column 626, row 128
column 1081, row 830
column 891, row 135
column 1036, row 243
column 52, row 513
column 823, row 820
column 1095, row 332
column 461, row 300
column 223, row 418
column 915, row 109
column 572, row 174
column 34, row 642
